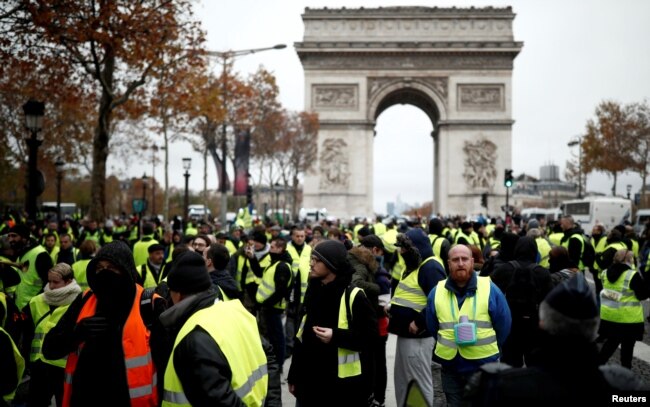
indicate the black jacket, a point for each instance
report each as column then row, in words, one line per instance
column 281, row 280
column 567, row 375
column 226, row 282
column 314, row 366
column 201, row 366
column 525, row 255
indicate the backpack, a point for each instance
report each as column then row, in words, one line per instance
column 588, row 253
column 521, row 292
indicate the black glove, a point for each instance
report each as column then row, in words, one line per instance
column 91, row 328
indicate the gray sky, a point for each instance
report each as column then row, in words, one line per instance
column 576, row 54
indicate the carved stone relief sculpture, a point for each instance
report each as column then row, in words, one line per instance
column 340, row 97
column 481, row 97
column 480, row 169
column 334, row 165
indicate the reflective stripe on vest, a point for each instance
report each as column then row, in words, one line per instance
column 141, row 372
column 267, row 286
column 476, row 308
column 20, row 365
column 618, row 303
column 300, row 263
column 349, row 362
column 39, row 308
column 30, row 283
column 409, row 293
column 234, row 329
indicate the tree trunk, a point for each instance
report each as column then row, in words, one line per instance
column 166, row 147
column 100, row 144
column 294, row 200
column 217, row 162
column 614, row 175
column 205, row 183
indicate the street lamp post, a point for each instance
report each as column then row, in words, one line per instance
column 572, row 143
column 187, row 164
column 34, row 112
column 277, row 202
column 124, row 186
column 226, row 57
column 59, row 176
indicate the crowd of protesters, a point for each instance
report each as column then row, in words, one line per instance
column 128, row 312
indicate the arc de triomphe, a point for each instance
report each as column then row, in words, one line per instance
column 455, row 64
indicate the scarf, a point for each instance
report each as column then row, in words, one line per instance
column 261, row 253
column 61, row 296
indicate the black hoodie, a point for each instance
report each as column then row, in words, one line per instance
column 525, row 257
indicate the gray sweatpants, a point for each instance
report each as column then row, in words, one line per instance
column 413, row 362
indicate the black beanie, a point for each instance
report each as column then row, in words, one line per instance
column 155, row 247
column 21, row 230
column 259, row 237
column 333, row 254
column 189, row 274
column 573, row 298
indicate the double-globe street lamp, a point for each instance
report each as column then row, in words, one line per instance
column 187, row 164
column 34, row 112
column 578, row 142
column 226, row 57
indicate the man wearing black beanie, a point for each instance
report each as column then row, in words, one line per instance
column 325, row 336
column 208, row 333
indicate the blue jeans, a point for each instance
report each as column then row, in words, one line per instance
column 453, row 384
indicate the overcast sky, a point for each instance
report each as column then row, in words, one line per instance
column 576, row 54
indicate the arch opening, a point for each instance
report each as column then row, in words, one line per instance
column 403, row 153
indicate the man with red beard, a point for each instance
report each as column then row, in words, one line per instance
column 470, row 319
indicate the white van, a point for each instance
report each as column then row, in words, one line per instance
column 312, row 214
column 606, row 210
column 196, row 212
column 642, row 217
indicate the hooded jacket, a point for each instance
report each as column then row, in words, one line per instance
column 506, row 253
column 102, row 358
column 525, row 254
column 364, row 267
column 429, row 275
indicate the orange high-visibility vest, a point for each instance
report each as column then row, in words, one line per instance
column 140, row 370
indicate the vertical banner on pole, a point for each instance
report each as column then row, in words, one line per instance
column 242, row 158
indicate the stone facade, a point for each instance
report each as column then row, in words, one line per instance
column 454, row 64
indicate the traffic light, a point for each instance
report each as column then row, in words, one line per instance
column 507, row 179
column 484, row 197
column 249, row 195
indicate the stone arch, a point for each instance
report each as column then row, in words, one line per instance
column 416, row 92
column 455, row 64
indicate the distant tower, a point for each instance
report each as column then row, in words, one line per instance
column 549, row 172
